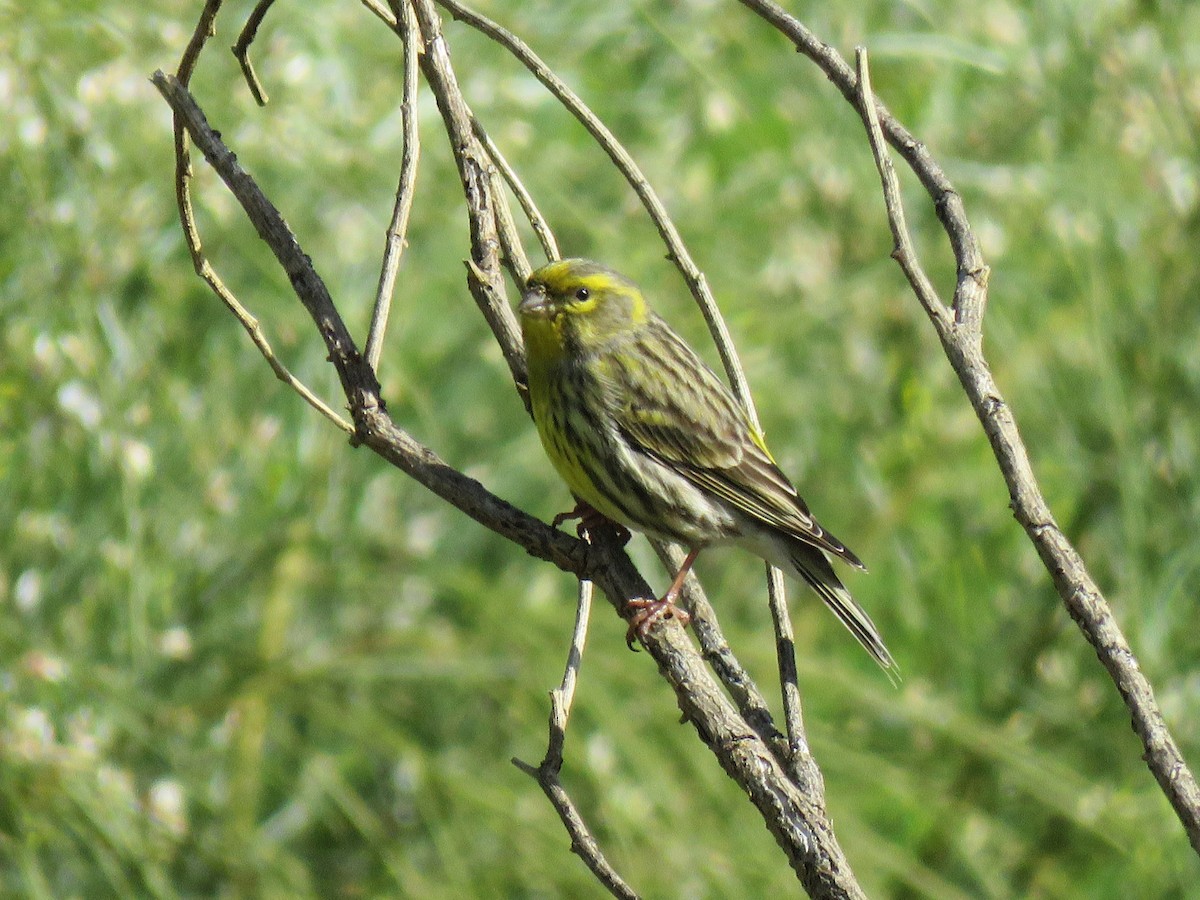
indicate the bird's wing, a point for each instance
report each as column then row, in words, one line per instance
column 699, row 429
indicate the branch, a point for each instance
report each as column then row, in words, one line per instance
column 546, row 774
column 536, row 220
column 241, row 49
column 483, row 273
column 1084, row 601
column 962, row 341
column 514, row 258
column 398, row 228
column 187, row 220
column 902, row 250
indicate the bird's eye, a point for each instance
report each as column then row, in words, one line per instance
column 582, row 294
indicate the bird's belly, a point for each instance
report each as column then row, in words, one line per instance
column 622, row 483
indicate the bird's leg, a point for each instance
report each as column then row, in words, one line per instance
column 650, row 611
column 590, row 518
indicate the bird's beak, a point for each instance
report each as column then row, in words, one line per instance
column 534, row 302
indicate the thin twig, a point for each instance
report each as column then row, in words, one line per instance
column 785, row 660
column 583, row 843
column 484, row 279
column 398, row 228
column 385, row 15
column 902, row 251
column 513, row 255
column 250, row 324
column 566, row 690
column 187, row 220
column 536, row 220
column 205, row 28
column 241, row 50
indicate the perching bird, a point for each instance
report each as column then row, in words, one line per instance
column 645, row 433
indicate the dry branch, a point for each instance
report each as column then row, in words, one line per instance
column 398, row 227
column 961, row 335
column 547, row 772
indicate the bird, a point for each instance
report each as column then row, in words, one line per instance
column 646, row 435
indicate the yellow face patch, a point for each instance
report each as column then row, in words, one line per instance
column 577, row 291
column 566, row 276
column 579, row 303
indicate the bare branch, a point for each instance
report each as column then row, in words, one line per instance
column 536, row 220
column 483, row 274
column 962, row 341
column 241, row 49
column 513, row 257
column 583, row 843
column 785, row 659
column 205, row 28
column 383, row 13
column 191, row 234
column 398, row 228
column 903, row 251
column 566, row 690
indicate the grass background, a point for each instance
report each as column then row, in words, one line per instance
column 238, row 659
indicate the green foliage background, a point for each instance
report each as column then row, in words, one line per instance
column 239, row 659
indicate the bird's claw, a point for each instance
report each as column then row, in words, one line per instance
column 589, row 518
column 649, row 612
column 567, row 516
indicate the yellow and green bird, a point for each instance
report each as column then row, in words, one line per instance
column 646, row 434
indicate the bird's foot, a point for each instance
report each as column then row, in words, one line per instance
column 589, row 519
column 649, row 612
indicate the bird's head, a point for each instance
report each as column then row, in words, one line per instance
column 576, row 306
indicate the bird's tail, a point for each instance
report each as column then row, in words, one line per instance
column 812, row 566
